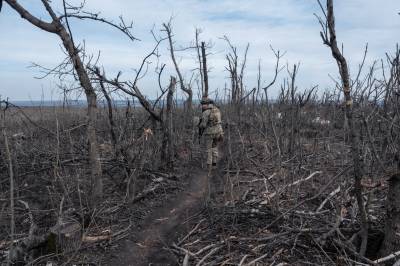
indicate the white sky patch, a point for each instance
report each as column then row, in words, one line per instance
column 287, row 25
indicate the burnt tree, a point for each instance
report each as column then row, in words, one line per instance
column 57, row 27
column 186, row 89
column 328, row 35
column 205, row 74
column 167, row 152
column 391, row 242
column 236, row 71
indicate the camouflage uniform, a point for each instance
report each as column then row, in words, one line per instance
column 213, row 132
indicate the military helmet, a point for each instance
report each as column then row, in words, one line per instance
column 206, row 101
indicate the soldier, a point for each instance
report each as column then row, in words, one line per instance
column 210, row 126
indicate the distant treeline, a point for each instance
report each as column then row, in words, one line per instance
column 80, row 103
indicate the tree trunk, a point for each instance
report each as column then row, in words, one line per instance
column 187, row 90
column 354, row 137
column 167, row 154
column 110, row 119
column 11, row 175
column 205, row 74
column 58, row 28
column 189, row 100
column 391, row 242
column 91, row 98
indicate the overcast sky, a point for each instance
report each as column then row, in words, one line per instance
column 287, row 25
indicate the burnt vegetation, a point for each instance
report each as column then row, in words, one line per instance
column 311, row 178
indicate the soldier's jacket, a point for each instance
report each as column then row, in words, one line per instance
column 211, row 121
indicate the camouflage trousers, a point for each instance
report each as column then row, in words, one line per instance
column 212, row 141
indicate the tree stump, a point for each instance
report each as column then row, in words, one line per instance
column 68, row 235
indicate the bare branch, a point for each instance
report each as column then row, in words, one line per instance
column 50, row 27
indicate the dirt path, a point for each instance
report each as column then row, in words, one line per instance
column 164, row 226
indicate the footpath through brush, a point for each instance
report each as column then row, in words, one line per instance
column 163, row 226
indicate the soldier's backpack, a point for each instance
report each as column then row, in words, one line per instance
column 215, row 117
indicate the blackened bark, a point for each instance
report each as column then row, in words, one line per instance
column 205, row 74
column 91, row 98
column 167, row 153
column 57, row 27
column 110, row 118
column 391, row 242
column 354, row 138
column 187, row 90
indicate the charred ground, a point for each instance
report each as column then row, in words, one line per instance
column 269, row 204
